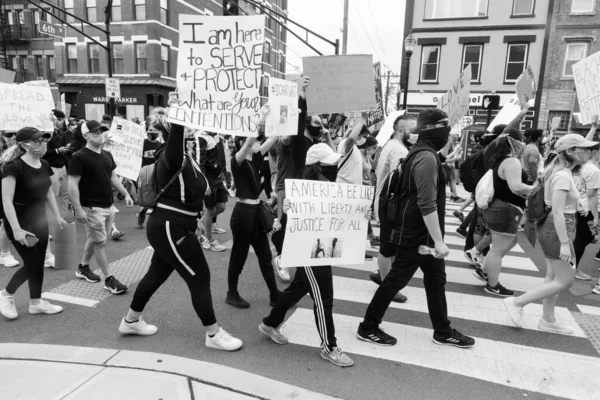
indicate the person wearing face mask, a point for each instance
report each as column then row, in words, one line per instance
column 26, row 189
column 7, row 140
column 367, row 150
column 151, row 144
column 350, row 167
column 556, row 234
column 419, row 221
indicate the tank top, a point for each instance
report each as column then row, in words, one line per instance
column 502, row 190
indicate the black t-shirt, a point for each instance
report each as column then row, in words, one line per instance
column 148, row 152
column 95, row 170
column 247, row 176
column 287, row 166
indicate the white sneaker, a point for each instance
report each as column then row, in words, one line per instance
column 7, row 307
column 554, row 327
column 49, row 260
column 8, row 260
column 582, row 276
column 140, row 327
column 475, row 257
column 596, row 288
column 43, row 307
column 514, row 313
column 212, row 244
column 223, row 341
column 282, row 272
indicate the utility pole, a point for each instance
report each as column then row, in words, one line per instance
column 109, row 56
column 387, row 90
column 345, row 28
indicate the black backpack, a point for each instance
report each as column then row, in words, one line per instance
column 536, row 208
column 471, row 170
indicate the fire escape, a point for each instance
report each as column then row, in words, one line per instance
column 14, row 35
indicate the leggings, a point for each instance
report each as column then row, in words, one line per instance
column 583, row 235
column 266, row 175
column 176, row 247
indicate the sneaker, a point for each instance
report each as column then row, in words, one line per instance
column 455, row 339
column 462, row 232
column 459, row 215
column 596, row 288
column 8, row 260
column 139, row 327
column 283, row 273
column 554, row 327
column 44, row 307
column 376, row 336
column 49, row 260
column 368, row 256
column 597, row 256
column 274, row 333
column 338, row 357
column 85, row 272
column 400, row 298
column 7, row 307
column 223, row 341
column 116, row 234
column 141, row 218
column 514, row 313
column 212, row 244
column 481, row 275
column 582, row 276
column 114, row 286
column 234, row 299
column 217, row 230
column 499, row 290
column 457, row 199
column 474, row 257
column 375, row 277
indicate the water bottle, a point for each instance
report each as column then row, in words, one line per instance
column 275, row 221
column 426, row 250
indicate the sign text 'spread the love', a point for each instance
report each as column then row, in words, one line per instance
column 23, row 105
column 587, row 82
column 282, row 120
column 456, row 100
column 326, row 223
column 219, row 72
column 126, row 143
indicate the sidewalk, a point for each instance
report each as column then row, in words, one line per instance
column 48, row 372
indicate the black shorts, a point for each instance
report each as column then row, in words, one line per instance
column 386, row 248
column 218, row 195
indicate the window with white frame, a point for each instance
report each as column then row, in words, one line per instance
column 267, row 53
column 564, row 119
column 141, row 55
column 140, row 10
column 116, row 11
column 71, row 50
column 583, row 6
column 516, row 61
column 94, row 57
column 430, row 63
column 443, row 9
column 575, row 52
column 523, row 7
column 118, row 63
column 164, row 12
column 70, row 7
column 164, row 56
column 91, row 10
column 472, row 55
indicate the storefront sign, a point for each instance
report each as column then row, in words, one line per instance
column 121, row 100
column 23, row 105
column 282, row 120
column 126, row 141
column 431, row 99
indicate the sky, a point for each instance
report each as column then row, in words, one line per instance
column 375, row 27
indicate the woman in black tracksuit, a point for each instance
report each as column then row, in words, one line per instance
column 171, row 233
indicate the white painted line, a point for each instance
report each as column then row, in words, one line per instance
column 522, row 263
column 589, row 309
column 529, row 368
column 70, row 299
column 465, row 306
column 453, row 238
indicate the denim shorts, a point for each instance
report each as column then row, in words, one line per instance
column 548, row 238
column 502, row 218
column 481, row 229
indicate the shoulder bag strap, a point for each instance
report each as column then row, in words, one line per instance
column 346, row 159
column 175, row 176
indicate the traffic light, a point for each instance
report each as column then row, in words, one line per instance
column 491, row 102
column 230, row 7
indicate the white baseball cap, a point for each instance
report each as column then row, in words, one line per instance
column 572, row 140
column 321, row 153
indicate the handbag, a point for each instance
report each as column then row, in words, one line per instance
column 265, row 217
column 484, row 192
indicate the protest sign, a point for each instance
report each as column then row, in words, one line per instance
column 388, row 127
column 339, row 83
column 510, row 110
column 219, row 73
column 377, row 114
column 7, row 76
column 22, row 105
column 126, row 141
column 326, row 223
column 282, row 120
column 336, row 121
column 456, row 100
column 587, row 82
column 525, row 85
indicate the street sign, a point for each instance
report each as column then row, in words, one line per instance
column 51, row 29
column 113, row 88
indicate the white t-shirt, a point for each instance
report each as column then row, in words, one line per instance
column 392, row 153
column 351, row 172
column 587, row 177
column 562, row 180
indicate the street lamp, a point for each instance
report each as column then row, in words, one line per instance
column 409, row 46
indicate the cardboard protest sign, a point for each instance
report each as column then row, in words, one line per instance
column 282, row 120
column 126, row 141
column 22, row 105
column 456, row 100
column 326, row 223
column 377, row 114
column 587, row 82
column 219, row 72
column 339, row 83
column 525, row 85
column 7, row 76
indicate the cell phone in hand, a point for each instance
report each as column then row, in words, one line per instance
column 32, row 240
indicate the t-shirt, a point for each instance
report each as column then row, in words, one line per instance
column 351, row 170
column 286, row 164
column 148, row 152
column 562, row 180
column 95, row 170
column 587, row 177
column 246, row 176
column 393, row 152
column 531, row 161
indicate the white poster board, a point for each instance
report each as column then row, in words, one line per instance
column 525, row 85
column 219, row 70
column 23, row 105
column 456, row 100
column 126, row 141
column 7, row 76
column 388, row 127
column 326, row 223
column 282, row 120
column 587, row 82
column 510, row 110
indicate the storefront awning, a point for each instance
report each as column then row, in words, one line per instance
column 124, row 81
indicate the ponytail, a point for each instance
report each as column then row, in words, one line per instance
column 11, row 154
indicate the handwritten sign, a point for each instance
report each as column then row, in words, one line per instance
column 587, row 82
column 326, row 223
column 22, row 105
column 336, row 121
column 456, row 100
column 339, row 83
column 282, row 120
column 377, row 114
column 126, row 141
column 219, row 73
column 525, row 85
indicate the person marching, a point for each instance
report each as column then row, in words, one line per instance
column 151, row 144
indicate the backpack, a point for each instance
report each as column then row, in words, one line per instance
column 148, row 195
column 536, row 208
column 484, row 192
column 471, row 170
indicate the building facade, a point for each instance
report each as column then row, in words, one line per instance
column 144, row 37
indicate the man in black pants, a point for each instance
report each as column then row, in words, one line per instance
column 420, row 221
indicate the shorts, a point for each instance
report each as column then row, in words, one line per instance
column 98, row 223
column 386, row 248
column 548, row 238
column 218, row 194
column 481, row 229
column 502, row 217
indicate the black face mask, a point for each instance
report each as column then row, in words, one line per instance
column 314, row 131
column 329, row 172
column 437, row 137
column 153, row 136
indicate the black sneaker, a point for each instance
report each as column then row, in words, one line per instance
column 462, row 232
column 234, row 299
column 455, row 339
column 368, row 256
column 84, row 272
column 482, row 276
column 376, row 336
column 459, row 215
column 499, row 290
column 375, row 277
column 141, row 218
column 114, row 286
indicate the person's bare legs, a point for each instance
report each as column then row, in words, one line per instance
column 501, row 245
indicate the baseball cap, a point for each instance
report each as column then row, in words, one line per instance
column 572, row 140
column 30, row 133
column 59, row 114
column 90, row 126
column 431, row 116
column 321, row 153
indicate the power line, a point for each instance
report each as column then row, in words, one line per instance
column 377, row 32
column 356, row 38
column 367, row 32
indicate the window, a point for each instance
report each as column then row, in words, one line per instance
column 36, row 22
column 69, row 7
column 23, row 64
column 269, row 23
column 47, row 16
column 265, row 86
column 20, row 17
column 441, row 9
column 71, row 49
column 278, row 65
column 116, row 11
column 575, row 52
column 164, row 56
column 94, row 57
column 523, row 7
column 582, row 6
column 51, row 68
column 118, row 65
column 564, row 119
column 472, row 54
column 164, row 12
column 516, row 61
column 91, row 10
column 39, row 66
column 430, row 60
column 282, row 65
column 10, row 18
column 140, row 10
column 267, row 53
column 13, row 63
column 141, row 51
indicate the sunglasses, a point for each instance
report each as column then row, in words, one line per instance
column 40, row 140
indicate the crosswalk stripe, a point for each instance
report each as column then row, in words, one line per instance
column 456, row 240
column 513, row 262
column 589, row 309
column 529, row 368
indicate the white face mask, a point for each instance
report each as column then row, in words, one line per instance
column 413, row 138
